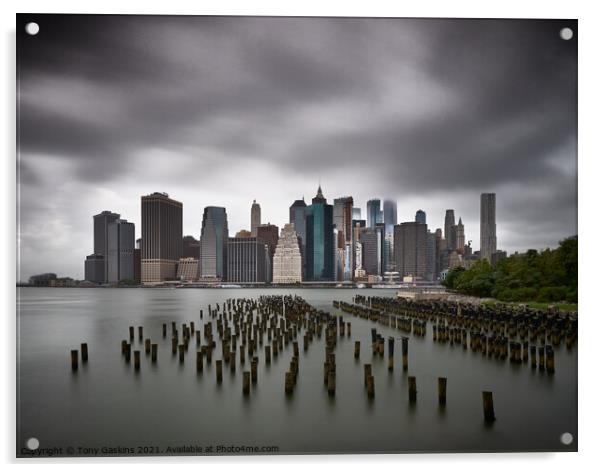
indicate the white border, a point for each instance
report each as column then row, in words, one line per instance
column 590, row 111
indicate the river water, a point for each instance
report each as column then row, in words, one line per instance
column 105, row 404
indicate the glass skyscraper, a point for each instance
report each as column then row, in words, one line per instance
column 374, row 212
column 319, row 227
column 214, row 243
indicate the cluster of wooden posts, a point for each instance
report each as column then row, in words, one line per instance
column 519, row 334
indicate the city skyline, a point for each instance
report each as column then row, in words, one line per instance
column 401, row 121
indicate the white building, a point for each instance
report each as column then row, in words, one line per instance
column 287, row 262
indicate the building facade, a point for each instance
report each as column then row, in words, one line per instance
column 101, row 237
column 488, row 226
column 213, row 259
column 319, row 257
column 410, row 249
column 191, row 247
column 248, row 260
column 450, row 222
column 121, row 244
column 255, row 218
column 161, row 237
column 94, row 268
column 287, row 264
column 188, row 269
column 420, row 217
column 373, row 212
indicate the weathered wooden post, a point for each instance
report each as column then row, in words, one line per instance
column 154, row 353
column 136, row 360
column 533, row 353
column 199, row 361
column 549, row 359
column 391, row 348
column 412, row 389
column 288, row 383
column 84, row 347
column 442, row 388
column 332, row 383
column 404, row 352
column 246, row 383
column 370, row 386
column 128, row 352
column 74, row 359
column 367, row 373
column 348, row 329
column 218, row 371
column 541, row 358
column 140, row 331
column 268, row 355
column 233, row 360
column 164, row 330
column 181, row 350
column 254, row 370
column 147, row 346
column 356, row 352
column 488, row 407
column 131, row 333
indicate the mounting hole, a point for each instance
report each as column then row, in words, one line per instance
column 566, row 33
column 566, row 438
column 32, row 28
column 32, row 444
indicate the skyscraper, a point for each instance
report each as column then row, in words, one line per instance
column 268, row 234
column 420, row 217
column 411, row 249
column 372, row 249
column 319, row 245
column 343, row 215
column 356, row 213
column 94, row 268
column 287, row 264
column 390, row 215
column 161, row 237
column 121, row 251
column 214, row 244
column 191, row 247
column 101, row 238
column 248, row 260
column 373, row 211
column 255, row 217
column 431, row 256
column 488, row 226
column 460, row 238
column 450, row 222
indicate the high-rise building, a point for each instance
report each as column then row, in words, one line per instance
column 450, row 222
column 460, row 238
column 268, row 234
column 356, row 213
column 255, row 218
column 319, row 256
column 94, row 268
column 373, row 212
column 121, row 251
column 389, row 215
column 356, row 247
column 287, row 265
column 188, row 269
column 410, row 249
column 431, row 256
column 138, row 261
column 191, row 247
column 343, row 215
column 488, row 226
column 372, row 249
column 248, row 260
column 101, row 231
column 161, row 237
column 420, row 217
column 214, row 244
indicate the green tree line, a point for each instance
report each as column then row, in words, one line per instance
column 545, row 276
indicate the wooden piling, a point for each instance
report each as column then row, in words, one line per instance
column 246, row 383
column 136, row 360
column 268, row 355
column 254, row 370
column 356, row 352
column 367, row 373
column 164, row 330
column 84, row 347
column 549, row 359
column 74, row 359
column 199, row 361
column 140, row 331
column 147, row 346
column 153, row 353
column 332, row 383
column 181, row 350
column 404, row 352
column 442, row 390
column 288, row 383
column 218, row 371
column 131, row 333
column 412, row 392
column 391, row 347
column 488, row 407
column 370, row 386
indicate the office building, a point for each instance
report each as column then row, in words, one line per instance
column 213, row 260
column 450, row 222
column 420, row 217
column 255, row 218
column 121, row 242
column 410, row 249
column 101, row 238
column 460, row 238
column 488, row 226
column 191, row 247
column 356, row 213
column 389, row 215
column 248, row 260
column 161, row 237
column 287, row 264
column 188, row 269
column 319, row 257
column 373, row 212
column 94, row 268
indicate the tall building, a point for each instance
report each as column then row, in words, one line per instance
column 420, row 217
column 356, row 247
column 287, row 265
column 248, row 260
column 138, row 261
column 188, row 269
column 255, row 218
column 389, row 215
column 372, row 250
column 161, row 237
column 268, row 234
column 431, row 256
column 319, row 256
column 343, row 215
column 410, row 249
column 101, row 238
column 488, row 226
column 191, row 247
column 460, row 238
column 356, row 213
column 450, row 222
column 94, row 268
column 121, row 237
column 342, row 218
column 373, row 212
column 214, row 244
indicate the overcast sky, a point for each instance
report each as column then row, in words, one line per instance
column 221, row 111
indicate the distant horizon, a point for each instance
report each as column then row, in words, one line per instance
column 220, row 111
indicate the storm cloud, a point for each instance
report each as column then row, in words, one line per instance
column 224, row 110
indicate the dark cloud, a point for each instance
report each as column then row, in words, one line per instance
column 428, row 111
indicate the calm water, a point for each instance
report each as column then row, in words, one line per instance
column 105, row 404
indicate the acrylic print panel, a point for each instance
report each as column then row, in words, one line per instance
column 235, row 232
